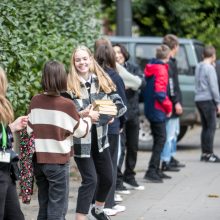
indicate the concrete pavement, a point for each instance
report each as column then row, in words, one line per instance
column 191, row 194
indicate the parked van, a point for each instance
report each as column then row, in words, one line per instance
column 141, row 50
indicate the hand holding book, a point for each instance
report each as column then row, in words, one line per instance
column 93, row 114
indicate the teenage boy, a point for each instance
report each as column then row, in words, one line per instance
column 207, row 100
column 157, row 108
column 169, row 163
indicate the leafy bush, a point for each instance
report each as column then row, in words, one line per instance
column 35, row 31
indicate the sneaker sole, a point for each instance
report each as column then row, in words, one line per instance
column 110, row 213
column 123, row 192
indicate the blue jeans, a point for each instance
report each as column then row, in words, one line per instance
column 172, row 131
column 53, row 190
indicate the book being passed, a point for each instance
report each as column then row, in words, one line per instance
column 105, row 107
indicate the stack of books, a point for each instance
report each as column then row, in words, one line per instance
column 105, row 107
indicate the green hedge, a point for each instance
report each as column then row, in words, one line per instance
column 35, row 31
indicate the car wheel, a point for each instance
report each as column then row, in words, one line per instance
column 145, row 137
column 183, row 130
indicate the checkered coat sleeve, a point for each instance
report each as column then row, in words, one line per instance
column 82, row 146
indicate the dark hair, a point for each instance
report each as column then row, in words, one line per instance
column 171, row 41
column 105, row 56
column 208, row 51
column 54, row 77
column 162, row 52
column 123, row 51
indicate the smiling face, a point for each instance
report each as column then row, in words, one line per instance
column 82, row 61
column 119, row 55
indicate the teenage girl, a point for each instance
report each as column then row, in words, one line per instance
column 105, row 56
column 53, row 121
column 9, row 203
column 88, row 82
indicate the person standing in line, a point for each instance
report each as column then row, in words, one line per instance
column 9, row 202
column 169, row 163
column 158, row 107
column 88, row 82
column 104, row 55
column 53, row 122
column 131, row 81
column 207, row 100
column 130, row 136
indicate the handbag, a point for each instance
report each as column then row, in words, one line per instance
column 8, row 155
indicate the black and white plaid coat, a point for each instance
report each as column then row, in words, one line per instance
column 82, row 146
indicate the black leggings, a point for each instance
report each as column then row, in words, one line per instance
column 97, row 177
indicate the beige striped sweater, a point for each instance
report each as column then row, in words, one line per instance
column 54, row 121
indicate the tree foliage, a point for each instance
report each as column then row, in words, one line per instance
column 187, row 18
column 33, row 32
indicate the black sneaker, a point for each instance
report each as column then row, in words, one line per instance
column 210, row 158
column 100, row 216
column 153, row 177
column 132, row 184
column 175, row 163
column 122, row 190
column 166, row 167
column 162, row 175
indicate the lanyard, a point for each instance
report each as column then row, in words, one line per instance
column 4, row 138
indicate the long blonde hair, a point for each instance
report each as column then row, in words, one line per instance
column 6, row 111
column 104, row 81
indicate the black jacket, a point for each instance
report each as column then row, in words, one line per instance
column 133, row 96
column 174, row 91
column 118, row 123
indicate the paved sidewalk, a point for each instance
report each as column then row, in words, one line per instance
column 192, row 194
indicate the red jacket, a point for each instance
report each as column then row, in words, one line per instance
column 157, row 102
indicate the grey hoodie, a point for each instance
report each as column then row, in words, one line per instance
column 206, row 83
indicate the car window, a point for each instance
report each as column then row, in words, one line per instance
column 182, row 62
column 199, row 51
column 145, row 52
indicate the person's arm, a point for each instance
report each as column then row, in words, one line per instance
column 130, row 81
column 121, row 92
column 19, row 124
column 213, row 84
column 138, row 72
column 161, row 82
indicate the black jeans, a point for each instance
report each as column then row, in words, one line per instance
column 129, row 142
column 158, row 130
column 9, row 203
column 53, row 190
column 207, row 111
column 113, row 148
column 97, row 177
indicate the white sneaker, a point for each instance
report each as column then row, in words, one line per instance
column 110, row 212
column 118, row 198
column 119, row 208
column 139, row 187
